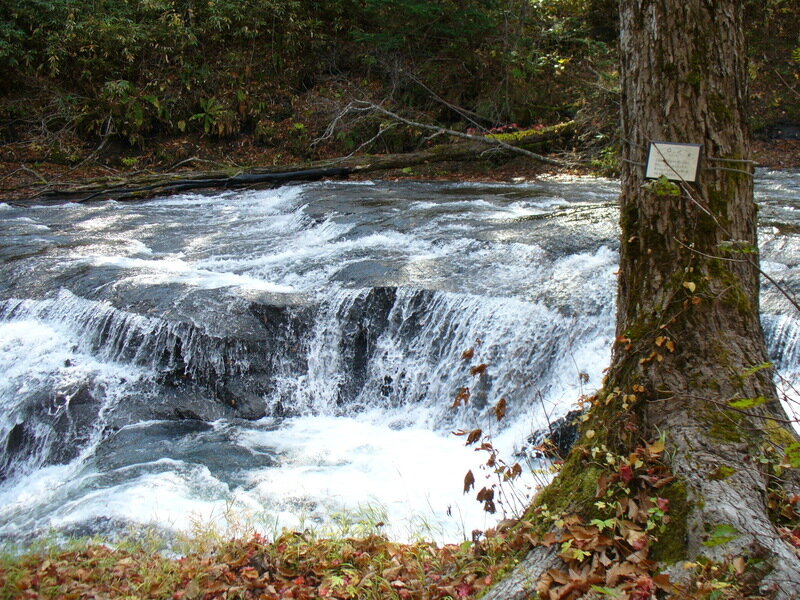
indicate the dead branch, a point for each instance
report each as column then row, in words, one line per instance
column 361, row 107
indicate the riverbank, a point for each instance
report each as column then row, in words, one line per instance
column 295, row 565
column 24, row 174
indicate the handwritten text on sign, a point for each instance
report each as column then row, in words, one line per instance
column 677, row 162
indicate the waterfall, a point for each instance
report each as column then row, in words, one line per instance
column 293, row 352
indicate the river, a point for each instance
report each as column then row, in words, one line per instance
column 290, row 357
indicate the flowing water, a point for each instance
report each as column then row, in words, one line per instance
column 289, row 358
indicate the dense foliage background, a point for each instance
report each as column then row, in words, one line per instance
column 275, row 72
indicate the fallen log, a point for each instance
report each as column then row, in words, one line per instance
column 150, row 185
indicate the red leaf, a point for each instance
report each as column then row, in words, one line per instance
column 626, row 473
column 639, row 542
column 479, row 370
column 663, row 504
column 474, row 436
column 500, row 409
column 461, row 397
column 469, row 481
column 464, row 590
column 644, row 588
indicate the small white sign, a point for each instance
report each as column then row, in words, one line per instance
column 677, row 162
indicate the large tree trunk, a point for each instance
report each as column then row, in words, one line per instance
column 684, row 79
column 689, row 334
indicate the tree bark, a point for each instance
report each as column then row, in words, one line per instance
column 689, row 338
column 684, row 76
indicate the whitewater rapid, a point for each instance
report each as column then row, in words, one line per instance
column 290, row 357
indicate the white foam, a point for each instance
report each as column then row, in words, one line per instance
column 32, row 352
column 342, row 464
column 268, row 200
column 175, row 499
column 176, row 270
column 21, row 502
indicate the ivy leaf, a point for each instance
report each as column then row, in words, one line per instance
column 722, row 534
column 601, row 525
column 753, row 370
column 462, row 397
column 474, row 436
column 485, row 494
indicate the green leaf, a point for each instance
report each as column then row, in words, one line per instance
column 743, row 403
column 738, row 247
column 153, row 100
column 601, row 525
column 753, row 370
column 722, row 534
column 607, row 591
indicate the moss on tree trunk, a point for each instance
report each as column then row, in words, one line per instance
column 689, row 338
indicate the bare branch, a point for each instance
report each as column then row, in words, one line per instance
column 361, row 106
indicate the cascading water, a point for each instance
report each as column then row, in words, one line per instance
column 286, row 355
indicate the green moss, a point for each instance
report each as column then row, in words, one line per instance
column 573, row 490
column 641, row 328
column 662, row 187
column 720, row 107
column 777, row 435
column 694, row 79
column 723, row 433
column 530, row 135
column 737, row 298
column 725, row 425
column 734, row 296
column 629, row 218
column 722, row 473
column 671, row 545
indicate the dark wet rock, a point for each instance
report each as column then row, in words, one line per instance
column 557, row 440
column 245, row 396
column 146, row 446
column 50, row 429
column 365, row 321
column 20, row 442
column 367, row 273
